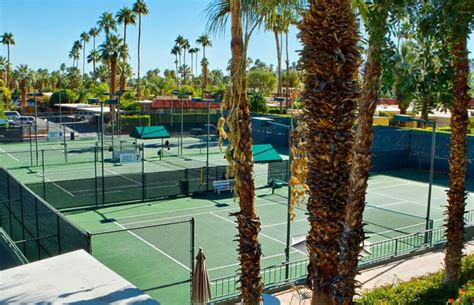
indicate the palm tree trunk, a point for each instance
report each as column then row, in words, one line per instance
column 287, row 61
column 8, row 68
column 330, row 57
column 138, row 68
column 204, row 79
column 457, row 161
column 278, row 49
column 23, row 93
column 192, row 63
column 241, row 136
column 84, row 59
column 184, row 65
column 124, row 60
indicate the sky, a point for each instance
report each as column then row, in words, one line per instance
column 45, row 30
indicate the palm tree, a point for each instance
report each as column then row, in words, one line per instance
column 107, row 23
column 140, row 8
column 85, row 38
column 185, row 46
column 76, row 48
column 109, row 53
column 205, row 42
column 94, row 32
column 196, row 51
column 353, row 233
column 330, row 58
column 458, row 17
column 93, row 57
column 191, row 53
column 125, row 16
column 273, row 22
column 176, row 51
column 23, row 74
column 239, row 156
column 8, row 40
column 124, row 69
column 179, row 41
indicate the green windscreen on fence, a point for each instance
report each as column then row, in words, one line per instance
column 37, row 229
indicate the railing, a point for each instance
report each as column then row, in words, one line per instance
column 13, row 248
column 225, row 288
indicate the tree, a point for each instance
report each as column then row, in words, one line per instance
column 107, row 23
column 3, row 68
column 85, row 38
column 205, row 42
column 258, row 103
column 274, row 23
column 176, row 51
column 261, row 81
column 93, row 33
column 125, row 16
column 93, row 57
column 8, row 40
column 330, row 57
column 192, row 51
column 23, row 74
column 458, row 17
column 141, row 9
column 353, row 231
column 109, row 53
column 239, row 150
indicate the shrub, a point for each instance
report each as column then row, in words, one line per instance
column 67, row 97
column 130, row 106
column 258, row 103
column 129, row 122
column 465, row 295
column 429, row 289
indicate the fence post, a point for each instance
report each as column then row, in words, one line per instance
column 9, row 202
column 58, row 226
column 22, row 218
column 43, row 174
column 192, row 256
column 95, row 175
column 37, row 228
column 396, row 246
column 143, row 172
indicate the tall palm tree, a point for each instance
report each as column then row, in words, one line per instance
column 109, row 53
column 176, row 51
column 93, row 33
column 205, row 42
column 107, row 23
column 179, row 41
column 8, row 40
column 141, row 9
column 93, row 57
column 185, row 46
column 274, row 23
column 353, row 233
column 191, row 53
column 196, row 51
column 458, row 17
column 85, row 38
column 77, row 46
column 125, row 16
column 239, row 156
column 330, row 58
column 23, row 74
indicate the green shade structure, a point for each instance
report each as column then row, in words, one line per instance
column 149, row 132
column 265, row 153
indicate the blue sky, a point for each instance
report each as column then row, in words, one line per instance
column 44, row 31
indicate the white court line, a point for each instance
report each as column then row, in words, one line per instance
column 8, row 154
column 399, row 229
column 237, row 264
column 115, row 173
column 368, row 206
column 64, row 190
column 283, row 223
column 262, row 234
column 389, row 186
column 414, row 202
column 154, row 247
column 180, row 216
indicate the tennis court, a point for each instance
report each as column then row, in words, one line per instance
column 396, row 207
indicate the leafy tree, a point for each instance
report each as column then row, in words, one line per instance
column 67, row 97
column 261, row 81
column 258, row 103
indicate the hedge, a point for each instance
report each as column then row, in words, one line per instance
column 129, row 122
column 428, row 289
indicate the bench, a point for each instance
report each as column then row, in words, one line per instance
column 223, row 185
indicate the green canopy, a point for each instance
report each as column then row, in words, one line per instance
column 149, row 132
column 265, row 153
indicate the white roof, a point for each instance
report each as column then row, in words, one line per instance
column 73, row 106
column 65, row 279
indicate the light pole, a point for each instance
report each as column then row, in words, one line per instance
column 34, row 95
column 97, row 101
column 403, row 119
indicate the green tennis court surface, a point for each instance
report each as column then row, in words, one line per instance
column 396, row 207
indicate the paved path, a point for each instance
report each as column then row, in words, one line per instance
column 402, row 270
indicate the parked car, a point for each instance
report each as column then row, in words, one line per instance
column 23, row 121
column 11, row 115
column 84, row 115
